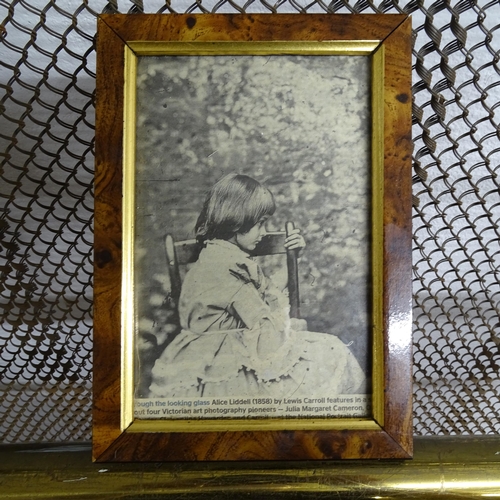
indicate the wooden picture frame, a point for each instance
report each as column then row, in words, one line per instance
column 387, row 431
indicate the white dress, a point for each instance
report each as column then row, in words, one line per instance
column 236, row 339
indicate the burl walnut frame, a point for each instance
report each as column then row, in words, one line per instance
column 386, row 39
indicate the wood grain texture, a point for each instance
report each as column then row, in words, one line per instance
column 397, row 235
column 107, row 238
column 252, row 27
column 253, row 446
column 394, row 440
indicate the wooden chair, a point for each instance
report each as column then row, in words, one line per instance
column 187, row 251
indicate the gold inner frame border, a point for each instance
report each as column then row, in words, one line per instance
column 135, row 49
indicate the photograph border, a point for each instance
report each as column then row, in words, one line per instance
column 121, row 40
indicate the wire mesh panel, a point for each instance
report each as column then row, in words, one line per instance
column 47, row 77
column 456, row 233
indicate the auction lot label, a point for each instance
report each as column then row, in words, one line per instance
column 348, row 405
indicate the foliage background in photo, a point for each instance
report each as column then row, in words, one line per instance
column 300, row 125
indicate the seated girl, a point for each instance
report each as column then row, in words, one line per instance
column 237, row 338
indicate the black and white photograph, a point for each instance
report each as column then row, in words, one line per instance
column 252, row 237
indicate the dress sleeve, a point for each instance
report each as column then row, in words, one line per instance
column 248, row 305
column 257, row 302
column 269, row 329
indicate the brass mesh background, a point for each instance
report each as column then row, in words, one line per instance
column 47, row 77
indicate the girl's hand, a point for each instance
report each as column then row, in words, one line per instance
column 295, row 241
column 299, row 325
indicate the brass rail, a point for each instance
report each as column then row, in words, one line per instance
column 443, row 468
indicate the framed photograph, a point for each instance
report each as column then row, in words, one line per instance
column 253, row 238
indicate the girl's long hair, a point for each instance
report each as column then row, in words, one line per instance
column 234, row 205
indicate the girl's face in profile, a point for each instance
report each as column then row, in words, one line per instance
column 249, row 240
